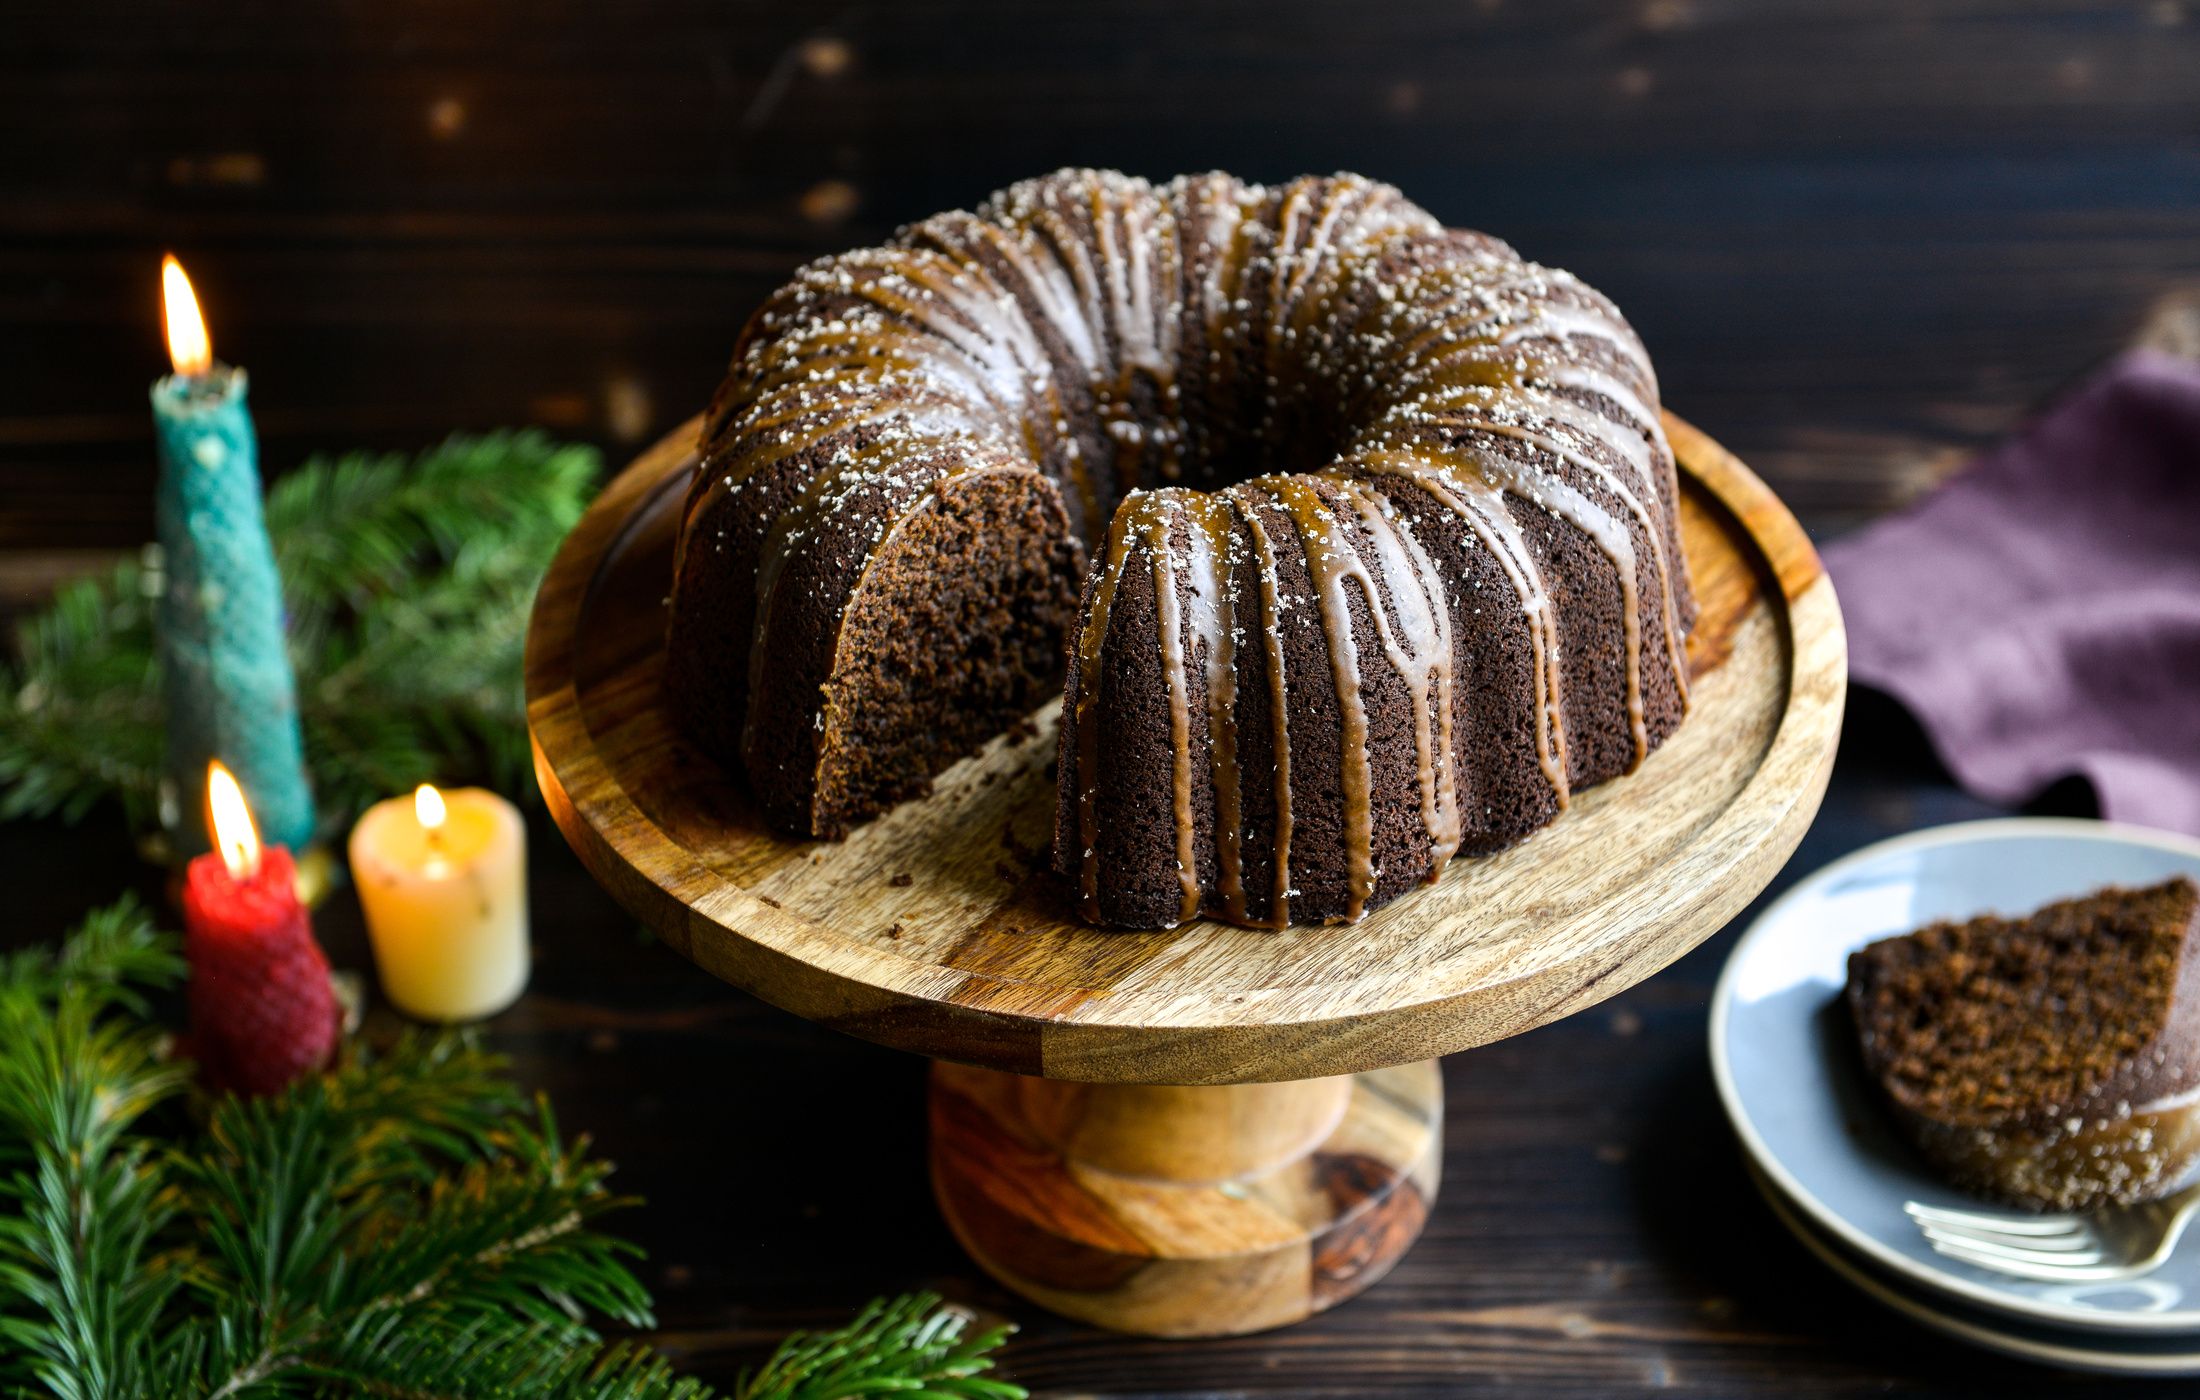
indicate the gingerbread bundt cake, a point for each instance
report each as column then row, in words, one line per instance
column 1383, row 549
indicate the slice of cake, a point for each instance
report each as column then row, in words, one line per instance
column 2051, row 1061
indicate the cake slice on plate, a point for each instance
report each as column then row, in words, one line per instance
column 2052, row 1060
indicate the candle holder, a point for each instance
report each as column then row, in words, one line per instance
column 1210, row 1129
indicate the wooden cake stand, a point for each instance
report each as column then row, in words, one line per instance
column 1210, row 1130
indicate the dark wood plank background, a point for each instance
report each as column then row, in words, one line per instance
column 1861, row 238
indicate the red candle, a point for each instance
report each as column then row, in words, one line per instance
column 262, row 1010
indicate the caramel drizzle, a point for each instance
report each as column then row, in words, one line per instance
column 1153, row 525
column 1053, row 292
column 1195, row 611
column 1596, row 381
column 860, row 351
column 1452, row 388
column 1608, row 532
column 1047, row 281
column 1645, row 459
column 1228, row 237
column 1211, row 609
column 1453, row 481
column 1200, row 605
column 1279, row 718
column 941, row 353
column 1416, row 635
column 1140, row 341
column 1556, row 321
column 1330, row 562
column 1411, row 638
column 1126, row 526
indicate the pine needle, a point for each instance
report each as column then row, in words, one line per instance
column 406, row 581
column 405, row 1225
column 911, row 1345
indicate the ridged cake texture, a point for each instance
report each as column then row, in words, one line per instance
column 1351, row 540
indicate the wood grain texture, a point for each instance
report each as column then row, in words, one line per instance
column 1859, row 237
column 1567, row 1256
column 1187, row 1211
column 937, row 929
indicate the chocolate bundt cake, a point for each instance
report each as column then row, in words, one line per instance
column 2051, row 1061
column 1380, row 521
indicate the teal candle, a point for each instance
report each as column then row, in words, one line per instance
column 225, row 670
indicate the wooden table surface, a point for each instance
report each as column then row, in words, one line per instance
column 1861, row 239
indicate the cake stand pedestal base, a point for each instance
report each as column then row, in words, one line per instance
column 1180, row 1211
column 1174, row 1211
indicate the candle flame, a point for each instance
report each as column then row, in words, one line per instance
column 188, row 348
column 231, row 822
column 428, row 806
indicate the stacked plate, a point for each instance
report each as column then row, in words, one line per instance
column 1822, row 1148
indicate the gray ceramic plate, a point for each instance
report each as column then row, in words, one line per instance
column 2129, row 1355
column 1783, row 1051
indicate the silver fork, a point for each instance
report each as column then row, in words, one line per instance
column 2118, row 1242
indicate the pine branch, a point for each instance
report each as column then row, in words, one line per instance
column 909, row 1345
column 349, row 526
column 80, row 716
column 111, row 958
column 407, row 583
column 82, row 1197
column 437, row 1202
column 437, row 1361
column 434, row 563
column 406, row 1226
column 509, row 1234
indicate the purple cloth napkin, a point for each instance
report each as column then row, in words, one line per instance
column 2040, row 614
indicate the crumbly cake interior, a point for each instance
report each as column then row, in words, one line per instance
column 941, row 660
column 1975, row 1021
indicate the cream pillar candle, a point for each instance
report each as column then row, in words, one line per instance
column 443, row 877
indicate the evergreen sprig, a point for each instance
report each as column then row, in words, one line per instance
column 909, row 1345
column 404, row 1225
column 406, row 582
column 81, row 1283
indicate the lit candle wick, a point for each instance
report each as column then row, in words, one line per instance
column 189, row 350
column 231, row 822
column 429, row 809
